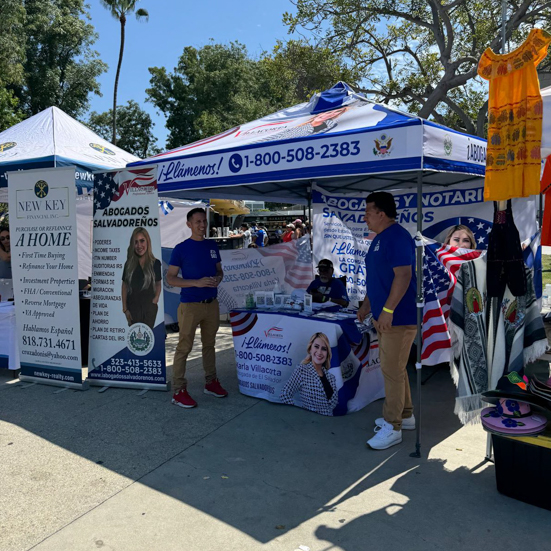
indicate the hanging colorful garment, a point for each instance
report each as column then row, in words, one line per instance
column 515, row 109
column 490, row 337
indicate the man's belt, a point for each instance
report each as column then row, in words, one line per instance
column 207, row 300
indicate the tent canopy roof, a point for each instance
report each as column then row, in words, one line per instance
column 53, row 138
column 339, row 139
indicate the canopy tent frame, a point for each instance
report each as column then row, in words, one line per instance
column 424, row 153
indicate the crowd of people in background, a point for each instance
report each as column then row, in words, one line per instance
column 258, row 235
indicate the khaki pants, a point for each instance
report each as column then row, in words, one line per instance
column 394, row 349
column 191, row 315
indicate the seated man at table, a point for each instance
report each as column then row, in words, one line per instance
column 327, row 288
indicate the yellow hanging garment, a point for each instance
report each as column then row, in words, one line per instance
column 515, row 110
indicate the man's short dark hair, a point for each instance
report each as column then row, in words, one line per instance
column 245, row 225
column 383, row 201
column 194, row 211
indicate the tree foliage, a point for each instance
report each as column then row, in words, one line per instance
column 12, row 56
column 120, row 9
column 46, row 58
column 134, row 129
column 220, row 86
column 420, row 53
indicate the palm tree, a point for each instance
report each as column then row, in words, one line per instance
column 119, row 10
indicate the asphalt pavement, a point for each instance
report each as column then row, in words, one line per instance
column 128, row 472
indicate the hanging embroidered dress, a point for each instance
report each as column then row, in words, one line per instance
column 515, row 110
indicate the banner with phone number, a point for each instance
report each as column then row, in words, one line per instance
column 45, row 275
column 270, row 346
column 127, row 332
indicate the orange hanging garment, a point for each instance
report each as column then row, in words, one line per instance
column 515, row 109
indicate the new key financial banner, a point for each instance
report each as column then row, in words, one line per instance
column 45, row 274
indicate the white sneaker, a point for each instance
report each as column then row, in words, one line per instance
column 407, row 424
column 385, row 437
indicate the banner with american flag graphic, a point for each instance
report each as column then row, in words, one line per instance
column 440, row 263
column 127, row 334
column 288, row 265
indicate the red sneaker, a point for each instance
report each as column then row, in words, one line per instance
column 214, row 388
column 183, row 399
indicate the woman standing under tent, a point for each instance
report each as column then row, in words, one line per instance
column 461, row 236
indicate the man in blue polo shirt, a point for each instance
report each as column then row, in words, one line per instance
column 391, row 291
column 199, row 261
column 327, row 288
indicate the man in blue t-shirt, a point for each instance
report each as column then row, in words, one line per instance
column 326, row 287
column 391, row 292
column 198, row 259
column 258, row 234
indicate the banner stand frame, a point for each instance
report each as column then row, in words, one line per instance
column 128, row 384
column 77, row 386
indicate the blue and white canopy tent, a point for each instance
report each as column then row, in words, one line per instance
column 339, row 140
column 52, row 138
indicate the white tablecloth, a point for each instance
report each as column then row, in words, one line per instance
column 8, row 336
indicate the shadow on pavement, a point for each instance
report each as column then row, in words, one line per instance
column 260, row 468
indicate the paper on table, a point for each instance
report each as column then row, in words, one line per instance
column 322, row 305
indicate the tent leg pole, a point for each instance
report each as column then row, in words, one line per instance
column 310, row 208
column 420, row 305
column 541, row 211
column 310, row 220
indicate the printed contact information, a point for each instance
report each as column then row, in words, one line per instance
column 264, row 358
column 325, row 151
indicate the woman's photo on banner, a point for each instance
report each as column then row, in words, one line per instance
column 311, row 380
column 141, row 281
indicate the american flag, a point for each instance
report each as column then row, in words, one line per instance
column 297, row 256
column 440, row 264
column 109, row 188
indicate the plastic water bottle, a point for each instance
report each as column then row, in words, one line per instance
column 545, row 297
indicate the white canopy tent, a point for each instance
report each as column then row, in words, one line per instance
column 52, row 138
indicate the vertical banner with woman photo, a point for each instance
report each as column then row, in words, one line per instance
column 127, row 333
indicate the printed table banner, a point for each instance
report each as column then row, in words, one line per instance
column 43, row 233
column 342, row 236
column 127, row 333
column 248, row 270
column 270, row 346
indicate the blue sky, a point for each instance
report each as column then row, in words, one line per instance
column 174, row 24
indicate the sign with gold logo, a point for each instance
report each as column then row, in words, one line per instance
column 102, row 149
column 41, row 189
column 7, row 145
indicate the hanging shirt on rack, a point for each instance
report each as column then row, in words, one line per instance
column 515, row 109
